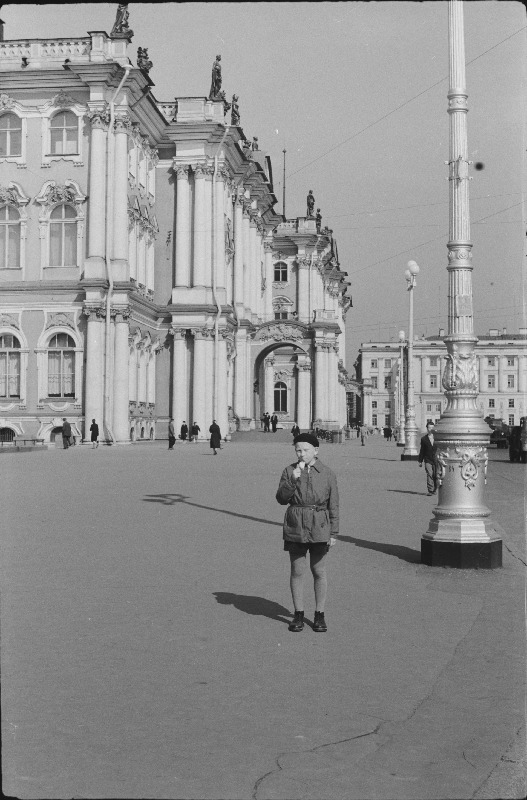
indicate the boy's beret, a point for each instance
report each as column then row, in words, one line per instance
column 307, row 437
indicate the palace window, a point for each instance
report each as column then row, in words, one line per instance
column 374, row 383
column 388, row 363
column 63, row 237
column 281, row 315
column 280, row 272
column 10, row 230
column 491, row 362
column 10, row 136
column 373, row 363
column 280, row 396
column 9, row 366
column 491, row 382
column 387, row 419
column 511, row 420
column 433, row 381
column 64, row 134
column 492, row 403
column 387, row 381
column 374, row 404
column 387, row 404
column 374, row 420
column 433, row 361
column 61, row 366
column 510, row 381
column 511, row 402
column 510, row 361
column 282, row 307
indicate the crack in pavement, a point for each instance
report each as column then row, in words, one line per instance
column 514, row 554
column 310, row 750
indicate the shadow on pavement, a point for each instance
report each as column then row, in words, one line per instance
column 406, row 491
column 397, row 550
column 172, row 499
column 258, row 606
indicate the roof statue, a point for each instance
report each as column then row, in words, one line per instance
column 215, row 86
column 310, row 204
column 235, row 110
column 254, row 145
column 120, row 28
column 143, row 62
column 318, row 220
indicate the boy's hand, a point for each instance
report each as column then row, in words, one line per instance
column 298, row 470
column 332, row 541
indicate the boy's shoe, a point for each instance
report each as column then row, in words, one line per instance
column 297, row 623
column 319, row 625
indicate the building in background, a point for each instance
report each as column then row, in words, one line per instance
column 144, row 272
column 502, row 366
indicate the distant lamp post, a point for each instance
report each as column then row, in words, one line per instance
column 400, row 397
column 461, row 533
column 411, row 451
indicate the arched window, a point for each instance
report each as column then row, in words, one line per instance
column 280, row 396
column 10, row 135
column 64, row 133
column 280, row 272
column 7, row 435
column 10, row 230
column 61, row 366
column 63, row 237
column 9, row 366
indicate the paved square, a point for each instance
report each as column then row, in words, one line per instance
column 145, row 650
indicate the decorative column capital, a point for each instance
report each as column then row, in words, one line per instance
column 178, row 333
column 122, row 124
column 94, row 310
column 100, row 117
column 202, row 170
column 181, row 170
column 120, row 313
column 202, row 333
column 304, row 262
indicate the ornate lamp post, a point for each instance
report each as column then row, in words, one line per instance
column 460, row 534
column 400, row 432
column 411, row 451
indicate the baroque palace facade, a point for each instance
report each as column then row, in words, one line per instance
column 383, row 370
column 144, row 273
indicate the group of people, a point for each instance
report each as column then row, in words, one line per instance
column 214, row 430
column 269, row 422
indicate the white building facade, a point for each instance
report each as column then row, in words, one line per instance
column 502, row 366
column 139, row 249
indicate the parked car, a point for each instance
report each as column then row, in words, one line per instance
column 518, row 442
column 500, row 432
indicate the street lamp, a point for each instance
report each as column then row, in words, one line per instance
column 410, row 452
column 400, row 396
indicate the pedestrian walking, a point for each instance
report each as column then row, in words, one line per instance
column 194, row 432
column 267, row 421
column 274, row 422
column 94, row 431
column 171, row 434
column 215, row 436
column 311, row 523
column 363, row 434
column 390, row 434
column 66, row 433
column 428, row 454
column 183, row 431
column 295, row 430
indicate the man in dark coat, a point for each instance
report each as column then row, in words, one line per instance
column 183, row 431
column 215, row 436
column 266, row 421
column 94, row 430
column 194, row 432
column 428, row 454
column 171, row 434
column 274, row 422
column 66, row 433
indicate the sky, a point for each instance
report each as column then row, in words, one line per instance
column 356, row 94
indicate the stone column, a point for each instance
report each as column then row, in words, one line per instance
column 120, row 375
column 180, row 383
column 97, row 200
column 302, row 303
column 222, row 416
column 93, row 408
column 269, row 384
column 182, row 225
column 239, row 406
column 199, row 232
column 482, row 386
column 219, row 235
column 254, row 271
column 238, row 256
column 502, row 374
column 321, row 353
column 199, row 380
column 247, row 264
column 424, row 385
column 522, row 376
column 303, row 413
column 209, row 256
column 332, row 384
column 269, row 275
column 120, row 200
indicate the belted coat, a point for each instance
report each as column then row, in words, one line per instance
column 313, row 498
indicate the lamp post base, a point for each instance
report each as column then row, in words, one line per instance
column 461, row 555
column 409, row 456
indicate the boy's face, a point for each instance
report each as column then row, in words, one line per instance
column 306, row 452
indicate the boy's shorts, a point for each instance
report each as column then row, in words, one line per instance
column 299, row 549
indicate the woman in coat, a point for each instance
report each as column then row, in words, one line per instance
column 215, row 436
